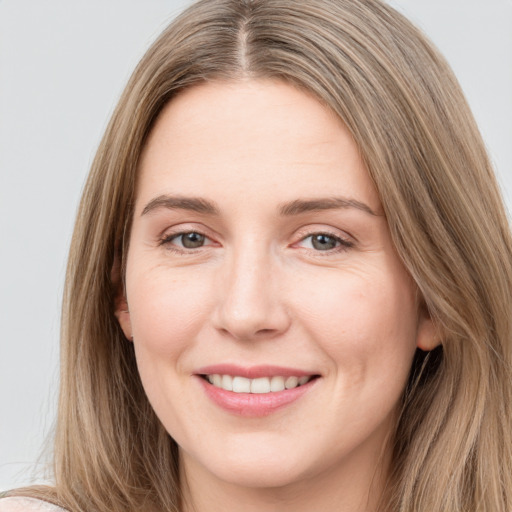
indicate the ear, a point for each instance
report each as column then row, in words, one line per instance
column 123, row 315
column 428, row 336
column 121, row 310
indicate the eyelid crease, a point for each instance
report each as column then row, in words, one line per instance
column 184, row 227
column 319, row 229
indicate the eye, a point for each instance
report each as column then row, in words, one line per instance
column 325, row 242
column 187, row 240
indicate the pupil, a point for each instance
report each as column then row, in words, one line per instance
column 323, row 242
column 192, row 240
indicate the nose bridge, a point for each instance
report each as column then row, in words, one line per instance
column 250, row 304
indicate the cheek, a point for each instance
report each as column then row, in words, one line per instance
column 166, row 311
column 366, row 323
column 166, row 308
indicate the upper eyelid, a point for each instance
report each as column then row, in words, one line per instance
column 174, row 234
column 326, row 233
column 330, row 231
column 298, row 234
column 171, row 236
column 171, row 231
column 186, row 227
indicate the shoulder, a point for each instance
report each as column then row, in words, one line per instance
column 22, row 504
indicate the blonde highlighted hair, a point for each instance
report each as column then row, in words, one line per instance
column 405, row 110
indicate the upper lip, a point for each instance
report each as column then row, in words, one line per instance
column 253, row 372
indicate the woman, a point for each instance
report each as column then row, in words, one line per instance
column 290, row 279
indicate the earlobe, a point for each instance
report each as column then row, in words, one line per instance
column 123, row 316
column 428, row 336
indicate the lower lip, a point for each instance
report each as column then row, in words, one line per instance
column 254, row 404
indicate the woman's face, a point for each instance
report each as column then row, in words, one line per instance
column 260, row 259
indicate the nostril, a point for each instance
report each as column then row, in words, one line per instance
column 265, row 331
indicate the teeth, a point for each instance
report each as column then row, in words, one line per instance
column 277, row 384
column 241, row 385
column 260, row 385
column 291, row 382
column 227, row 382
column 303, row 380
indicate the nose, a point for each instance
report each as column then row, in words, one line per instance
column 250, row 303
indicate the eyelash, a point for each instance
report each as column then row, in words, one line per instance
column 343, row 243
column 167, row 241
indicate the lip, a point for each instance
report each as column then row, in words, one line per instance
column 253, row 404
column 252, row 372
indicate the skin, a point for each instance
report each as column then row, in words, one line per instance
column 260, row 292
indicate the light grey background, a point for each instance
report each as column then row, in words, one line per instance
column 62, row 67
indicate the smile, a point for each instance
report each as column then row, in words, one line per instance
column 261, row 385
column 255, row 391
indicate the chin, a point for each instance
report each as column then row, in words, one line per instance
column 271, row 475
column 261, row 468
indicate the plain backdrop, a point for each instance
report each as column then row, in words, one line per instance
column 63, row 65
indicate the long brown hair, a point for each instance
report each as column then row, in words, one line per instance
column 405, row 109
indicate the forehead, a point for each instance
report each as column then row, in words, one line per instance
column 252, row 136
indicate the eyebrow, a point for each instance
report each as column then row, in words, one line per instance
column 296, row 207
column 195, row 204
column 329, row 203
